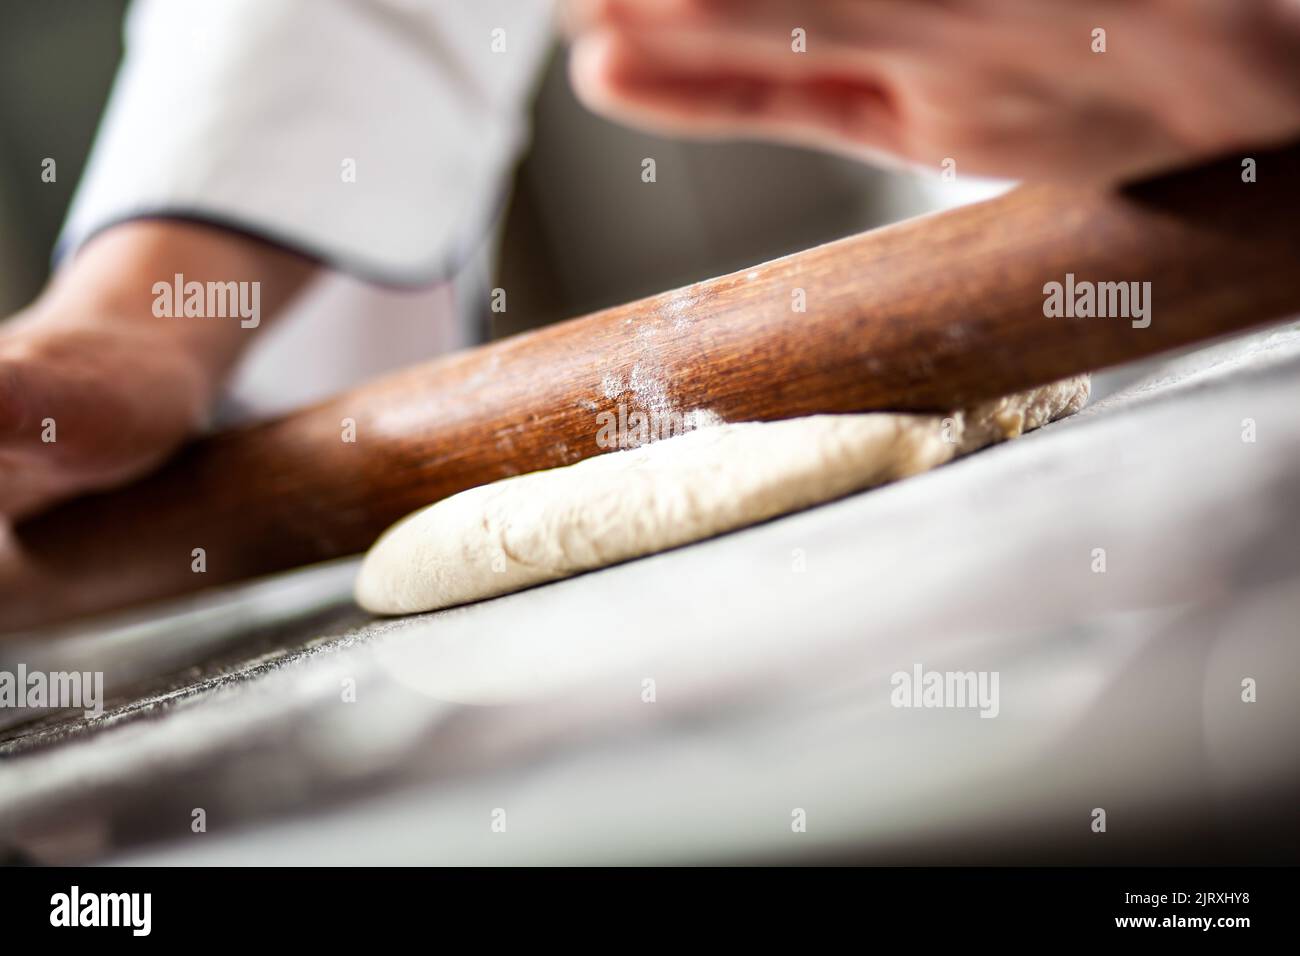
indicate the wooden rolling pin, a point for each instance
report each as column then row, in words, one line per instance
column 932, row 313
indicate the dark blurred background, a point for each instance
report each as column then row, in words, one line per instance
column 57, row 60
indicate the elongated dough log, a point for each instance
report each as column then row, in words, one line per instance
column 552, row 524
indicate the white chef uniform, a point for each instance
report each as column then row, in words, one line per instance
column 377, row 135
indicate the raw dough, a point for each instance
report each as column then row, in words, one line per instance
column 533, row 528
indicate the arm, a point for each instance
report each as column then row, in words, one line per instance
column 369, row 136
column 95, row 388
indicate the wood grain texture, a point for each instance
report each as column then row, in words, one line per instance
column 928, row 314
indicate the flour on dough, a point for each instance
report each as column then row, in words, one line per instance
column 539, row 527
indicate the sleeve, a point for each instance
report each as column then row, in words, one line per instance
column 373, row 134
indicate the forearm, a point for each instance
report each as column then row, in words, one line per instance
column 113, row 280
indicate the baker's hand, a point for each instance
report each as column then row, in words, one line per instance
column 95, row 388
column 87, row 405
column 1015, row 88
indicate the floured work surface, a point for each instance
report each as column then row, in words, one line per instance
column 1125, row 574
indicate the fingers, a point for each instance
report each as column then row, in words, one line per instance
column 814, row 73
column 772, row 39
column 704, row 86
column 860, row 25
